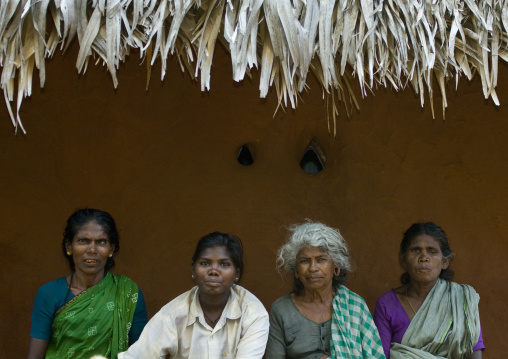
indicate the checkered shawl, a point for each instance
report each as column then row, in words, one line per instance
column 354, row 334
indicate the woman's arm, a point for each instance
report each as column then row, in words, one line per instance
column 476, row 355
column 253, row 343
column 159, row 339
column 139, row 319
column 45, row 305
column 37, row 348
column 383, row 326
column 276, row 347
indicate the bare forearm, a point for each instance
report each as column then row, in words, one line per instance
column 37, row 348
column 476, row 355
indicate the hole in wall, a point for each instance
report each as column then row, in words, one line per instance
column 245, row 155
column 313, row 159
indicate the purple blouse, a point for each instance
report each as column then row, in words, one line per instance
column 392, row 322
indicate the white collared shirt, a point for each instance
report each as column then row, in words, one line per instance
column 180, row 330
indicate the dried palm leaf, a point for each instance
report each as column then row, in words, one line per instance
column 392, row 43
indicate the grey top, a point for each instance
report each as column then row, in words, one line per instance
column 294, row 336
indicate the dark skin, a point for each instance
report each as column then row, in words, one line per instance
column 90, row 249
column 214, row 273
column 423, row 261
column 315, row 269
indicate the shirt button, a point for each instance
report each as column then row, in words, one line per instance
column 322, row 324
column 323, row 338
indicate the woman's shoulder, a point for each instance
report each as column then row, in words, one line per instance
column 283, row 304
column 461, row 289
column 455, row 285
column 388, row 298
column 180, row 305
column 283, row 301
column 346, row 298
column 124, row 281
column 120, row 278
column 345, row 291
column 246, row 298
column 52, row 295
column 56, row 285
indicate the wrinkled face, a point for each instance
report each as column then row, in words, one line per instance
column 214, row 272
column 90, row 249
column 424, row 260
column 315, row 268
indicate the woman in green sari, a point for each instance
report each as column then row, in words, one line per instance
column 90, row 311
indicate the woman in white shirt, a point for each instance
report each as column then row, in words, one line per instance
column 215, row 319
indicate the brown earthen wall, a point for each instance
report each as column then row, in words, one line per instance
column 163, row 162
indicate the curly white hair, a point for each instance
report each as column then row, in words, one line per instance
column 313, row 234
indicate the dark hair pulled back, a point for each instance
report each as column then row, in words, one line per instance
column 436, row 232
column 231, row 243
column 80, row 218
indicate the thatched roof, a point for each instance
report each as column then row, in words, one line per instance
column 380, row 43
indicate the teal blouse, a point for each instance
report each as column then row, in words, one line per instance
column 53, row 295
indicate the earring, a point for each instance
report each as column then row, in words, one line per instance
column 193, row 277
column 68, row 253
column 110, row 255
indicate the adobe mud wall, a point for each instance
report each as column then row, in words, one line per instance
column 163, row 162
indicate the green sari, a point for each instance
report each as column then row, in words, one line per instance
column 96, row 321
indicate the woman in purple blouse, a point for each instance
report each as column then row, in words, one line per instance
column 428, row 316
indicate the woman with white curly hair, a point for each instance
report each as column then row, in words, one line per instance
column 320, row 318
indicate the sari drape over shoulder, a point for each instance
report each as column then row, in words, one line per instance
column 354, row 334
column 447, row 325
column 96, row 321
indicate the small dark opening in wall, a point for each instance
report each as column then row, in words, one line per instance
column 313, row 160
column 245, row 157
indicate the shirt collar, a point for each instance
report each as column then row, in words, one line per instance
column 232, row 310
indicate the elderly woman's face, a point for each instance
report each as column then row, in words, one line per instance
column 424, row 260
column 315, row 268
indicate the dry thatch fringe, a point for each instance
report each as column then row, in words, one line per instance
column 380, row 42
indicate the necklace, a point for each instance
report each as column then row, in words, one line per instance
column 407, row 298
column 213, row 321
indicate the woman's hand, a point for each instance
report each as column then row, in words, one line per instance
column 37, row 348
column 476, row 355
